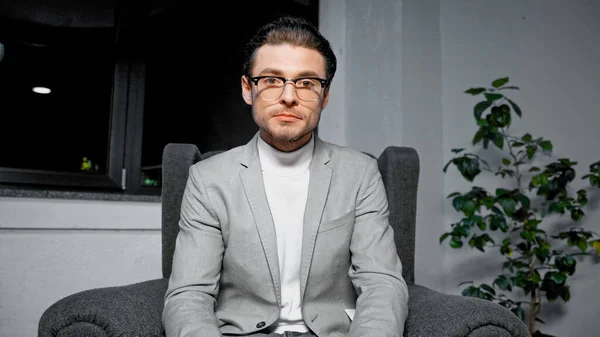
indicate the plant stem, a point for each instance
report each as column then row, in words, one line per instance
column 515, row 160
column 535, row 306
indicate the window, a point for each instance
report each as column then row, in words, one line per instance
column 169, row 73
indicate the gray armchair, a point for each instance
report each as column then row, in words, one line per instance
column 135, row 310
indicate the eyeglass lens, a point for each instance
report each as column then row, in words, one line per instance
column 271, row 88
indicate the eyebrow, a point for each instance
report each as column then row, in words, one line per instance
column 276, row 72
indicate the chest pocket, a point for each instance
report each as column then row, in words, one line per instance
column 345, row 219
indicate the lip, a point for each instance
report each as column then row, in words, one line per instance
column 285, row 116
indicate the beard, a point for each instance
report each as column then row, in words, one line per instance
column 285, row 133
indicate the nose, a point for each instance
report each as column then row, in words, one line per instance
column 288, row 96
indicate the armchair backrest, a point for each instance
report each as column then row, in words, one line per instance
column 399, row 167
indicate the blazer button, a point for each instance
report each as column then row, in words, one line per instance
column 260, row 325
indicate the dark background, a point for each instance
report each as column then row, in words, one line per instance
column 192, row 57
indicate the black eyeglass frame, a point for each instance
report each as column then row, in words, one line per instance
column 324, row 82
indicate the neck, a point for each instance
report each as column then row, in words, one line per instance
column 280, row 163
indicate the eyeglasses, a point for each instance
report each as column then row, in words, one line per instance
column 271, row 88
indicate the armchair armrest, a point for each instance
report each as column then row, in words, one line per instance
column 432, row 313
column 124, row 311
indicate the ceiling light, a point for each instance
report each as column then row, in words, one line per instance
column 41, row 90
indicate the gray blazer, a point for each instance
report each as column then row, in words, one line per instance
column 225, row 277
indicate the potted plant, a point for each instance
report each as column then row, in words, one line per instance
column 510, row 221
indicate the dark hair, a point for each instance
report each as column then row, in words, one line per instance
column 295, row 31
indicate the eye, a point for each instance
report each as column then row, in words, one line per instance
column 306, row 83
column 272, row 81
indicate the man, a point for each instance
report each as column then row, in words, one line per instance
column 288, row 234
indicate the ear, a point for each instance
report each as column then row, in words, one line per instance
column 325, row 99
column 246, row 90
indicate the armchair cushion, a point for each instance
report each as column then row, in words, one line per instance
column 442, row 315
column 124, row 311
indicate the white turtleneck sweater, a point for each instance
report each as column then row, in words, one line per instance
column 285, row 177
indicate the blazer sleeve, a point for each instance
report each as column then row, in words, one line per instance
column 376, row 269
column 194, row 282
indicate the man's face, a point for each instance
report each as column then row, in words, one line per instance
column 287, row 122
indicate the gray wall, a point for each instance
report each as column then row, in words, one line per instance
column 406, row 65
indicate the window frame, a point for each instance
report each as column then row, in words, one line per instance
column 124, row 140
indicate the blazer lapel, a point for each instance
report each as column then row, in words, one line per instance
column 252, row 181
column 318, row 188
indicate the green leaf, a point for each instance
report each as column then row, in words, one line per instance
column 486, row 142
column 480, row 108
column 596, row 245
column 456, row 242
column 526, row 138
column 546, row 145
column 565, row 264
column 508, row 204
column 468, row 167
column 535, row 278
column 576, row 214
column 479, row 135
column 461, row 231
column 509, row 87
column 500, row 116
column 531, row 149
column 582, row 197
column 443, row 237
column 565, row 294
column 506, row 161
column 519, row 312
column 453, row 194
column 488, row 289
column 458, row 202
column 473, row 291
column 498, row 139
column 493, row 97
column 557, row 207
column 498, row 221
column 506, row 250
column 447, row 164
column 482, row 225
column 457, row 150
column 497, row 211
column 539, row 180
column 503, row 283
column 499, row 82
column 542, row 253
column 527, row 236
column 480, row 241
column 553, row 288
column 515, row 107
column 594, row 180
column 559, row 278
column 468, row 207
column 524, row 200
column 582, row 244
column 475, row 91
column 482, row 122
column 502, row 192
